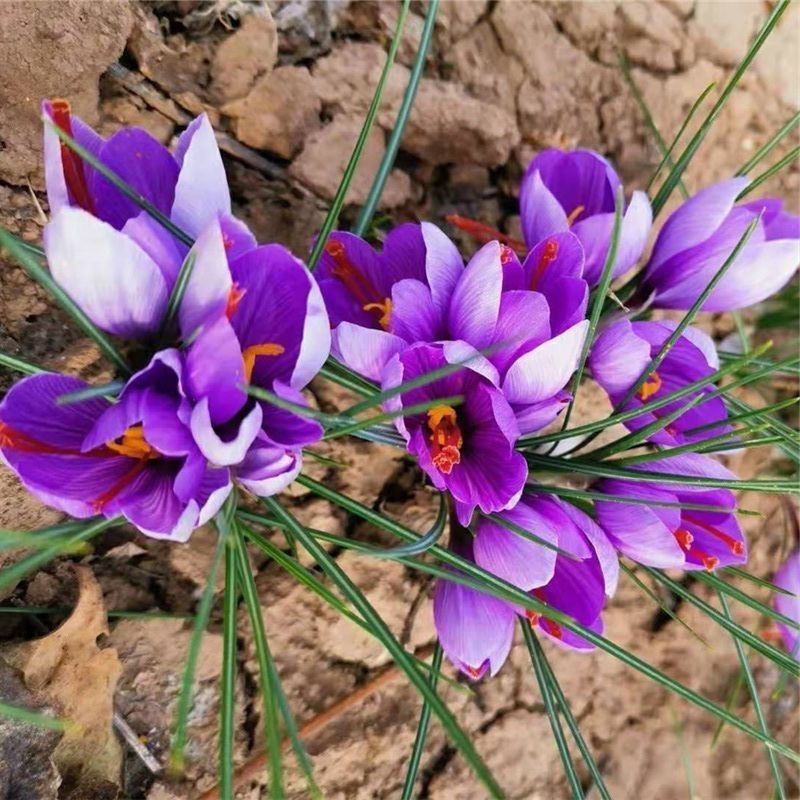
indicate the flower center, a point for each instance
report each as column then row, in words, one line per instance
column 384, row 309
column 549, row 255
column 485, row 233
column 574, row 214
column 446, row 438
column 534, row 618
column 736, row 547
column 686, row 540
column 651, row 385
column 71, row 163
column 133, row 444
column 250, row 354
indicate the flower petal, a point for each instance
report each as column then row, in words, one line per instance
column 365, row 350
column 443, row 265
column 475, row 303
column 237, row 439
column 114, row 281
column 540, row 213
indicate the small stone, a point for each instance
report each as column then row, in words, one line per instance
column 279, row 113
column 244, row 56
column 723, row 31
column 448, row 126
column 456, row 18
column 322, row 162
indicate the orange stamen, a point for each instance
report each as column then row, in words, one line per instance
column 576, row 212
column 446, row 438
column 485, row 233
column 736, row 547
column 383, row 310
column 250, row 354
column 235, row 295
column 133, row 444
column 684, row 538
column 532, row 616
column 549, row 255
column 649, row 387
column 71, row 163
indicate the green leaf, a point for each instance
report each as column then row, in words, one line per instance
column 753, row 689
column 682, row 162
column 178, row 290
column 535, row 651
column 227, row 691
column 351, row 592
column 425, row 542
column 35, row 270
column 769, row 145
column 270, row 686
column 109, row 390
column 33, row 718
column 181, row 723
column 338, row 200
column 422, row 728
column 393, row 144
column 18, row 365
column 791, row 156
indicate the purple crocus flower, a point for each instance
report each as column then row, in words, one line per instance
column 622, row 352
column 476, row 630
column 258, row 320
column 136, row 457
column 116, row 262
column 788, row 578
column 467, row 449
column 701, row 234
column 575, row 190
column 528, row 318
column 657, row 532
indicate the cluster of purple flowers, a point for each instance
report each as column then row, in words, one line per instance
column 503, row 336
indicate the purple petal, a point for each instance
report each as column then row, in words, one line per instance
column 540, row 213
column 474, row 629
column 635, row 229
column 201, row 190
column 209, row 286
column 158, row 243
column 414, row 317
column 229, row 447
column 618, row 357
column 365, row 350
column 236, row 236
column 443, row 266
column 285, row 428
column 788, row 578
column 695, row 220
column 215, row 371
column 267, row 470
column 523, row 322
column 535, row 416
column 110, row 277
column 144, row 164
column 604, row 550
column 403, row 255
column 476, row 299
column 542, row 372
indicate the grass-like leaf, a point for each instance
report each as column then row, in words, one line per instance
column 19, row 365
column 338, row 201
column 35, row 270
column 178, row 290
column 266, row 670
column 227, row 691
column 393, row 144
column 753, row 689
column 791, row 156
column 426, row 541
column 536, row 655
column 351, row 592
column 770, row 145
column 422, row 729
column 33, row 718
column 682, row 162
column 110, row 390
column 181, row 724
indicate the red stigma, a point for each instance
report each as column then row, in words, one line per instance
column 99, row 503
column 734, row 545
column 684, row 538
column 485, row 233
column 12, row 439
column 506, row 254
column 446, row 439
column 547, row 258
column 235, row 295
column 553, row 628
column 71, row 163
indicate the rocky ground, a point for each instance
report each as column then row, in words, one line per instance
column 286, row 84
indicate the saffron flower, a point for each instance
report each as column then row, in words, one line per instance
column 112, row 258
column 654, row 530
column 467, row 449
column 136, row 457
column 622, row 352
column 788, row 578
column 256, row 321
column 575, row 190
column 702, row 233
column 476, row 630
